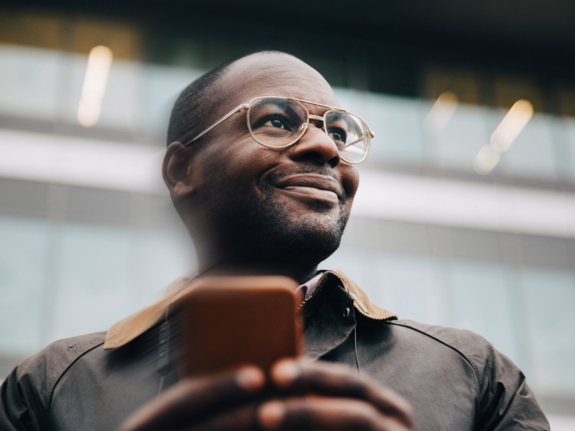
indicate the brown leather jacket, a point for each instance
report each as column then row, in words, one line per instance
column 454, row 379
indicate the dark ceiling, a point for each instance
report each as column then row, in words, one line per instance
column 532, row 30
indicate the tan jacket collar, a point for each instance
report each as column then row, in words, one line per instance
column 360, row 298
column 128, row 329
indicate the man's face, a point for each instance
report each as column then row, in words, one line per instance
column 273, row 204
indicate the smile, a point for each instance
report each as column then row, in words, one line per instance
column 312, row 187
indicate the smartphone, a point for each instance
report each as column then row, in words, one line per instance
column 227, row 322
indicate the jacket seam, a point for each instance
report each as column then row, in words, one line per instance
column 475, row 370
column 64, row 372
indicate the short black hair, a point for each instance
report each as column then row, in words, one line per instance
column 189, row 113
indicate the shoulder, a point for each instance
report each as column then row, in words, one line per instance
column 503, row 395
column 41, row 372
column 467, row 343
column 472, row 347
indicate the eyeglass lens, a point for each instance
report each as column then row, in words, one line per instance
column 280, row 122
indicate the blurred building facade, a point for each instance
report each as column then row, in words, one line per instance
column 466, row 211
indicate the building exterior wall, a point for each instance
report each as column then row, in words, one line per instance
column 88, row 235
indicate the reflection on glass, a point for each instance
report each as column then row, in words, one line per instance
column 505, row 134
column 441, row 112
column 511, row 125
column 486, row 160
column 99, row 63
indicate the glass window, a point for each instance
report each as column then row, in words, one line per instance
column 105, row 274
column 396, row 122
column 532, row 154
column 23, row 259
column 93, row 281
column 161, row 85
column 409, row 287
column 161, row 258
column 29, row 79
column 569, row 128
column 482, row 303
column 350, row 261
column 550, row 319
column 120, row 106
column 455, row 140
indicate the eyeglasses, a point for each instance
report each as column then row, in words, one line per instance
column 278, row 122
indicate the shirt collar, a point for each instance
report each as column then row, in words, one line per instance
column 126, row 330
column 308, row 287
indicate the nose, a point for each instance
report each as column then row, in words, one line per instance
column 316, row 146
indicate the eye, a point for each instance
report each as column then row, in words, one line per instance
column 277, row 122
column 338, row 135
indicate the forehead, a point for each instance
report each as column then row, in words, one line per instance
column 273, row 75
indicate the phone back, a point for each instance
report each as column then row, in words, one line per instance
column 233, row 321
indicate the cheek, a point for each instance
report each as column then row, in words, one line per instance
column 238, row 165
column 350, row 182
column 247, row 163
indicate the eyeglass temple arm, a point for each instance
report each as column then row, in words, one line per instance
column 360, row 139
column 224, row 118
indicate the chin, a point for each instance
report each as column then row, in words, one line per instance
column 280, row 230
column 318, row 225
column 309, row 238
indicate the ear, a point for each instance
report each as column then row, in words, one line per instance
column 177, row 170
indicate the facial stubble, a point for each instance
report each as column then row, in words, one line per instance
column 260, row 228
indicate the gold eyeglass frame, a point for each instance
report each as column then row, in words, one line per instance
column 303, row 128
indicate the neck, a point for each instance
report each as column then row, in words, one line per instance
column 231, row 258
column 229, row 267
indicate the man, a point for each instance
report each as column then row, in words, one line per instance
column 260, row 166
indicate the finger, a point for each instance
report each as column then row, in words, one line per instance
column 337, row 380
column 191, row 400
column 330, row 414
column 241, row 419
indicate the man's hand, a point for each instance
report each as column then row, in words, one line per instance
column 341, row 400
column 226, row 401
column 314, row 396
